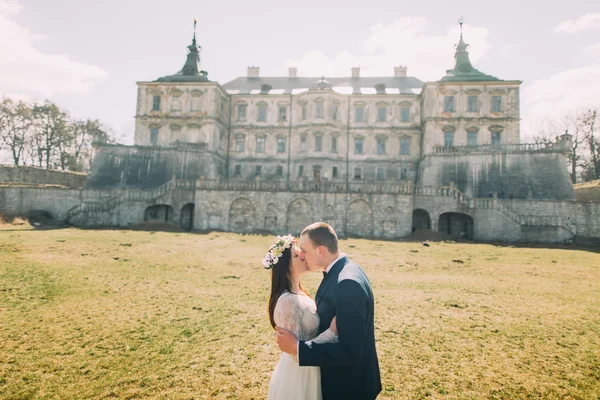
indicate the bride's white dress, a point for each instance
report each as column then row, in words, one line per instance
column 297, row 313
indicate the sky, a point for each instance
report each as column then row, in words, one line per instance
column 88, row 55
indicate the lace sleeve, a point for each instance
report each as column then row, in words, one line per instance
column 286, row 314
column 327, row 336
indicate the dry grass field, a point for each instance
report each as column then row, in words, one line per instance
column 138, row 314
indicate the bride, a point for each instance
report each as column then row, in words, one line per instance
column 292, row 308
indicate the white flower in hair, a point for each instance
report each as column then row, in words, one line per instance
column 276, row 250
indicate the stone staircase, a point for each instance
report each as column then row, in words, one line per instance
column 467, row 204
column 110, row 203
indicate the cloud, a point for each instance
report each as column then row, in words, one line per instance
column 26, row 71
column 593, row 49
column 581, row 24
column 559, row 95
column 403, row 42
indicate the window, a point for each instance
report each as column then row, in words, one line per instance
column 176, row 103
column 496, row 103
column 319, row 110
column 156, row 103
column 405, row 114
column 239, row 143
column 317, row 173
column 237, row 170
column 334, row 172
column 334, row 144
column 404, row 146
column 300, row 170
column 318, row 143
column 282, row 116
column 281, row 145
column 448, row 138
column 279, row 170
column 359, row 114
column 154, row 136
column 358, row 146
column 381, row 114
column 380, row 146
column 258, row 170
column 448, row 103
column 334, row 112
column 196, row 101
column 403, row 174
column 241, row 108
column 473, row 104
column 495, row 138
column 302, row 143
column 380, row 174
column 357, row 173
column 304, row 111
column 472, row 138
column 262, row 113
column 260, row 144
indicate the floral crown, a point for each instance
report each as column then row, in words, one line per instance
column 277, row 249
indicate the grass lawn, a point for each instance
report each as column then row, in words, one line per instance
column 137, row 314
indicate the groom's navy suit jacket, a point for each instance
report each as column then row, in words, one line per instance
column 349, row 369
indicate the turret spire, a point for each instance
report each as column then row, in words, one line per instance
column 463, row 69
column 191, row 69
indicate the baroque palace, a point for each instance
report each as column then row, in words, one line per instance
column 373, row 156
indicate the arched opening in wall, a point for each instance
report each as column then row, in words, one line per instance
column 457, row 225
column 159, row 213
column 242, row 216
column 187, row 217
column 420, row 220
column 359, row 219
column 38, row 218
column 299, row 215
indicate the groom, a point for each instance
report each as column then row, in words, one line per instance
column 349, row 368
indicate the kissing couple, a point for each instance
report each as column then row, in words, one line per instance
column 327, row 344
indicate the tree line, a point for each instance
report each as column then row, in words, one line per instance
column 46, row 136
column 584, row 127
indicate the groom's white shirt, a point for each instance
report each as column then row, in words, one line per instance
column 342, row 255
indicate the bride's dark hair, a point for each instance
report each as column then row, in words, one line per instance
column 281, row 281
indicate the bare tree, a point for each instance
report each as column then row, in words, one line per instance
column 590, row 125
column 50, row 130
column 15, row 121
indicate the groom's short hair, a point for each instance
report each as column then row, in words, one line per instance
column 322, row 234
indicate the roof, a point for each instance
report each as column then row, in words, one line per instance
column 362, row 85
column 463, row 69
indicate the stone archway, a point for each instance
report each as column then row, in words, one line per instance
column 242, row 216
column 187, row 217
column 456, row 224
column 159, row 213
column 420, row 219
column 299, row 215
column 359, row 219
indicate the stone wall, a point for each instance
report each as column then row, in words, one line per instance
column 41, row 176
column 527, row 175
column 148, row 166
column 377, row 215
column 21, row 201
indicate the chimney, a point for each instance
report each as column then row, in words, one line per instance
column 356, row 72
column 400, row 72
column 293, row 72
column 253, row 72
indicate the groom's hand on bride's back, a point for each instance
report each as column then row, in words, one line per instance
column 287, row 341
column 333, row 326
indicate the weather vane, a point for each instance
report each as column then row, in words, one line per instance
column 461, row 21
column 194, row 28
